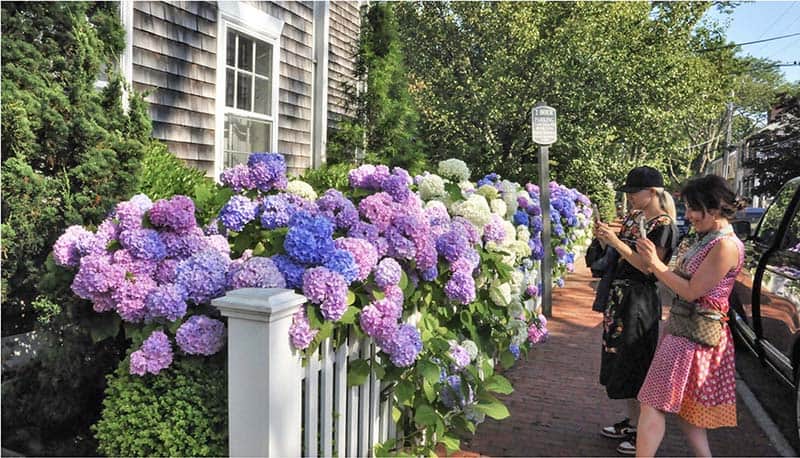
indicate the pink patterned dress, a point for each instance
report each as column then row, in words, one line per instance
column 696, row 381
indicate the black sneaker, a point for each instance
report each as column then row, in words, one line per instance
column 619, row 430
column 628, row 447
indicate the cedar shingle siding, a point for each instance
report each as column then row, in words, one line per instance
column 344, row 29
column 175, row 63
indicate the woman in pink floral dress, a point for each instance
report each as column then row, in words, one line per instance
column 695, row 381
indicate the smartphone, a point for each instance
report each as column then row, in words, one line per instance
column 642, row 228
column 596, row 213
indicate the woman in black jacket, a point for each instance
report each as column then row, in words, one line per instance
column 633, row 309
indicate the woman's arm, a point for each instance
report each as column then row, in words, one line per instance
column 606, row 234
column 723, row 257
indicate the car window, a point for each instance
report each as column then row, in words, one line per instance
column 791, row 240
column 774, row 214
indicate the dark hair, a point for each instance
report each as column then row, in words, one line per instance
column 711, row 192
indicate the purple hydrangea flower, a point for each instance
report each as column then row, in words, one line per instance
column 364, row 254
column 460, row 288
column 276, row 212
column 342, row 261
column 219, row 243
column 300, row 332
column 338, row 209
column 167, row 301
column 395, row 295
column 96, row 276
column 452, row 244
column 107, row 232
column 378, row 209
column 74, row 243
column 376, row 324
column 532, row 290
column 537, row 333
column 203, row 275
column 328, row 289
column 267, row 171
column 130, row 298
column 469, row 230
column 132, row 265
column 184, row 244
column 404, row 346
column 310, row 238
column 291, row 270
column 237, row 178
column 397, row 187
column 154, row 355
column 165, row 271
column 239, row 211
column 460, row 357
column 387, row 273
column 430, row 274
column 176, row 213
column 453, row 394
column 143, row 244
column 129, row 215
column 494, row 231
column 257, row 272
column 201, row 335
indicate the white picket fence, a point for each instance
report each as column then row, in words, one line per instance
column 279, row 408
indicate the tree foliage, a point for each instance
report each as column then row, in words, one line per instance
column 633, row 84
column 775, row 151
column 386, row 118
column 69, row 153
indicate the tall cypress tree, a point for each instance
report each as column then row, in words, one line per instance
column 386, row 115
column 69, row 153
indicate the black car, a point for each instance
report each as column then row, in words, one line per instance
column 765, row 302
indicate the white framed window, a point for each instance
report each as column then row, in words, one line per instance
column 247, row 83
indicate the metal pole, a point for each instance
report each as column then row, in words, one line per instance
column 544, row 201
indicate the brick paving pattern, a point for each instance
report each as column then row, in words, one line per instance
column 558, row 407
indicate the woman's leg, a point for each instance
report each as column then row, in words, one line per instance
column 633, row 411
column 650, row 430
column 697, row 436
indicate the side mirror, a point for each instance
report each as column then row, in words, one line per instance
column 742, row 229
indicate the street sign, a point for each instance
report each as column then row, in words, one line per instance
column 543, row 120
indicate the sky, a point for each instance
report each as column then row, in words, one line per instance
column 766, row 19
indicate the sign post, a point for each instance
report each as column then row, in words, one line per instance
column 543, row 126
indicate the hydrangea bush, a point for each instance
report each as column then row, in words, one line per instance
column 441, row 273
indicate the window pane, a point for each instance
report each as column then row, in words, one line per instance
column 244, row 82
column 230, row 51
column 263, row 59
column 244, row 136
column 791, row 240
column 245, row 53
column 229, row 85
column 263, row 96
column 771, row 220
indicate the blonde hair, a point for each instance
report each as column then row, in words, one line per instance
column 666, row 202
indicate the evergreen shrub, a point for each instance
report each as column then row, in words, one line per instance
column 182, row 411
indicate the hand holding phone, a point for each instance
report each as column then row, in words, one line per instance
column 596, row 213
column 642, row 228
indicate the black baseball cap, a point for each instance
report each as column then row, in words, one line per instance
column 642, row 177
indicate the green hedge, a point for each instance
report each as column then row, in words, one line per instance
column 182, row 411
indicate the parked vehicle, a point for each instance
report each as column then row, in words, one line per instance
column 750, row 214
column 765, row 302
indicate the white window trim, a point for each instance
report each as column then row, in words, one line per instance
column 251, row 21
column 126, row 61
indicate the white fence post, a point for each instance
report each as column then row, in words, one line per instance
column 264, row 372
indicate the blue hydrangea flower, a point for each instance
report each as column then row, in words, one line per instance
column 143, row 244
column 239, row 211
column 343, row 262
column 203, row 275
column 291, row 270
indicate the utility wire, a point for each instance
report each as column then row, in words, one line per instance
column 733, row 45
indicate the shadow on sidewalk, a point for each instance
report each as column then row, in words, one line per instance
column 558, row 407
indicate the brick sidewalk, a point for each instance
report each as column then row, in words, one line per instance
column 558, row 406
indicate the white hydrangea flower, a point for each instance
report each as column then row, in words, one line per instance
column 515, row 310
column 489, row 192
column 517, row 282
column 511, row 233
column 466, row 187
column 475, row 209
column 520, row 249
column 301, row 189
column 454, row 169
column 500, row 293
column 523, row 234
column 431, row 187
column 498, row 207
column 471, row 348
